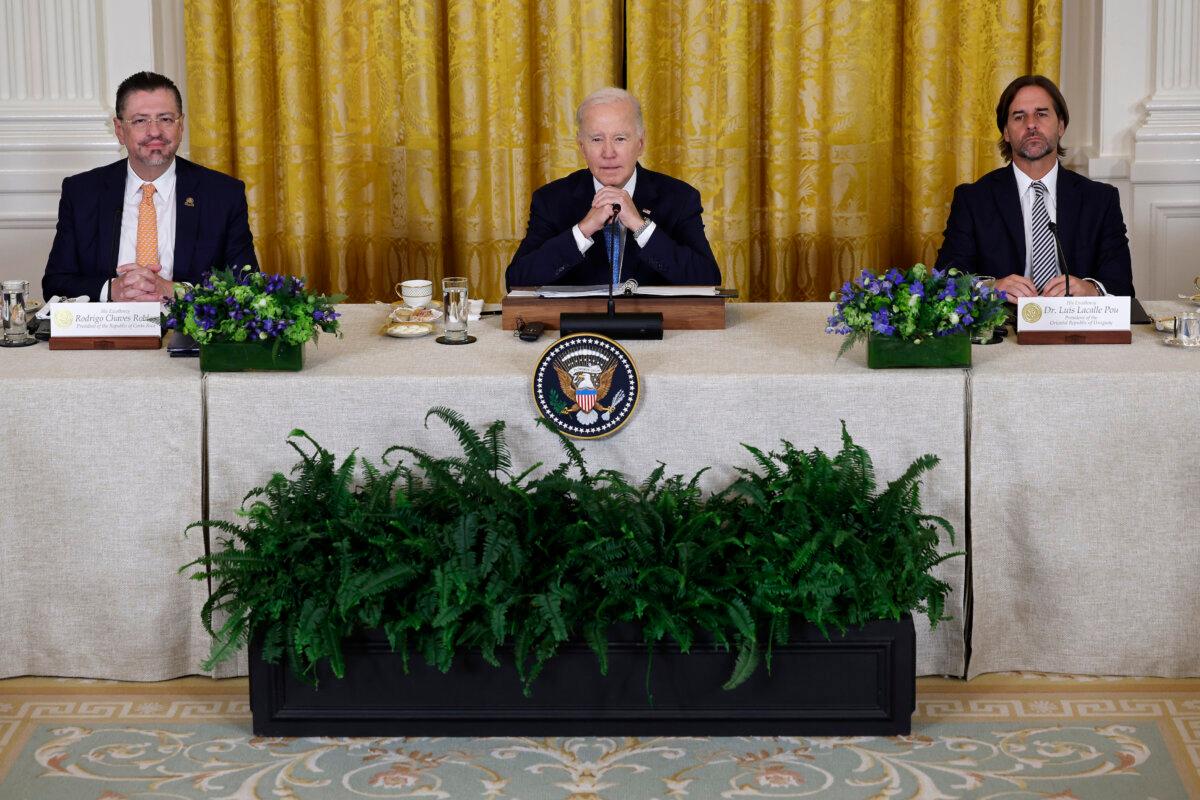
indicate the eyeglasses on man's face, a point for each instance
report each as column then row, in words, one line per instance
column 141, row 123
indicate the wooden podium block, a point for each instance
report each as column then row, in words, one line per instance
column 1075, row 337
column 105, row 342
column 679, row 313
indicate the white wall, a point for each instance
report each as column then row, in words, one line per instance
column 1130, row 73
column 1131, row 77
column 60, row 64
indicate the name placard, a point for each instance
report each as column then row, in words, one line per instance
column 1065, row 314
column 73, row 320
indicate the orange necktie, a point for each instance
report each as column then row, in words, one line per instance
column 147, row 233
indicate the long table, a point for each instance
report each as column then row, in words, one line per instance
column 1078, row 563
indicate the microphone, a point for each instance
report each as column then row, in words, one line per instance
column 1062, row 257
column 626, row 325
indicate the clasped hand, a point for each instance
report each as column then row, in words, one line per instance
column 601, row 211
column 1016, row 286
column 136, row 283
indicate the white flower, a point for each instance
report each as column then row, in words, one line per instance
column 953, row 318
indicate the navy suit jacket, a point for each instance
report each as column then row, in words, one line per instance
column 677, row 252
column 211, row 227
column 985, row 234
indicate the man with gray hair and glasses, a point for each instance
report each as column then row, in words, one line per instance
column 569, row 240
column 131, row 230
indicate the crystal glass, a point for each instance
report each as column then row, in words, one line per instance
column 454, row 307
column 12, row 312
column 1187, row 329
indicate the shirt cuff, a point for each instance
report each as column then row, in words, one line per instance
column 1099, row 286
column 645, row 235
column 581, row 241
column 104, row 292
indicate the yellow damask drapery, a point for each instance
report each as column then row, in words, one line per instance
column 383, row 140
column 828, row 135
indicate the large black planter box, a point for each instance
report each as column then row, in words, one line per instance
column 862, row 683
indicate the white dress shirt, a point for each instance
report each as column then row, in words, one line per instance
column 164, row 211
column 583, row 242
column 1027, row 195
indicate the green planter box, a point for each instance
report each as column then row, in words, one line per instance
column 936, row 351
column 247, row 356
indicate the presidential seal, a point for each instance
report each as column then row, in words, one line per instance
column 1032, row 312
column 587, row 385
column 63, row 318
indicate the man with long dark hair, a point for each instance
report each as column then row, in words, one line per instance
column 1003, row 225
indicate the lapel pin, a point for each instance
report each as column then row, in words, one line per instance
column 189, row 202
column 645, row 212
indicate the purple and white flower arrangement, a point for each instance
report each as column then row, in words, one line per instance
column 914, row 305
column 246, row 305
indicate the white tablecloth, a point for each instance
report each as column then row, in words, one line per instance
column 102, row 474
column 1085, row 507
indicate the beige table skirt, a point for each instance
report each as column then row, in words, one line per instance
column 1085, row 507
column 102, row 473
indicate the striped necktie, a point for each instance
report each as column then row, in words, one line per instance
column 1043, row 256
column 147, row 229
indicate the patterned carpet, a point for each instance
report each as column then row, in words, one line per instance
column 1000, row 737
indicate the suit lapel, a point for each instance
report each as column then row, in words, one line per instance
column 1008, row 202
column 1066, row 208
column 645, row 194
column 186, row 220
column 111, row 208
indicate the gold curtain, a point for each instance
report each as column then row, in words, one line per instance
column 382, row 141
column 828, row 135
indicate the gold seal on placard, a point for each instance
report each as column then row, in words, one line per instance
column 1031, row 313
column 63, row 318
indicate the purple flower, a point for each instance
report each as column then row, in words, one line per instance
column 893, row 275
column 881, row 322
column 917, row 289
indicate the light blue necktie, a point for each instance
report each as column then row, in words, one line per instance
column 612, row 246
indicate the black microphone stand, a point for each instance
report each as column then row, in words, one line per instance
column 626, row 325
column 1062, row 257
column 615, row 250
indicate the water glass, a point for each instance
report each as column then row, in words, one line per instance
column 12, row 312
column 1187, row 329
column 454, row 306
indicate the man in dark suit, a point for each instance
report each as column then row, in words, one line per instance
column 131, row 230
column 1001, row 224
column 567, row 241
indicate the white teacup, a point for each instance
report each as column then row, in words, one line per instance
column 475, row 307
column 416, row 293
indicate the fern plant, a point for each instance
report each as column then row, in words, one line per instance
column 450, row 553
